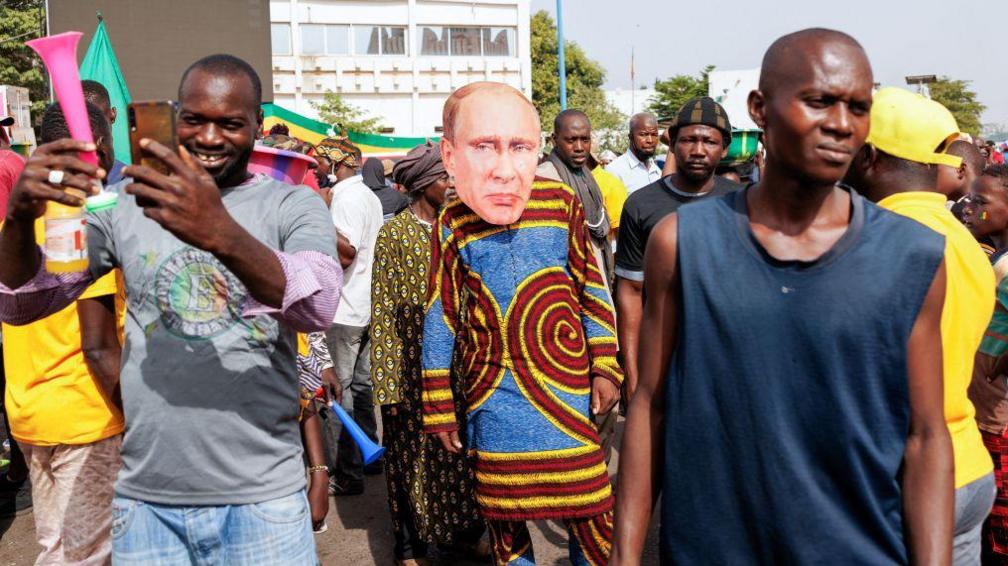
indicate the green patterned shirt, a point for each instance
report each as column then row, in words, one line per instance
column 398, row 292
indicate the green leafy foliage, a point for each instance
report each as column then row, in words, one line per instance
column 345, row 116
column 21, row 21
column 961, row 100
column 672, row 93
column 584, row 84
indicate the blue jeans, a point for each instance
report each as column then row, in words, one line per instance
column 271, row 532
column 350, row 350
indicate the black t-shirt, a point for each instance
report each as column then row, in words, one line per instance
column 643, row 210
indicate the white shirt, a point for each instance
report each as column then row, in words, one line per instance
column 357, row 214
column 634, row 173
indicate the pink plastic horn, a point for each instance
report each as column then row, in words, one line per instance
column 59, row 53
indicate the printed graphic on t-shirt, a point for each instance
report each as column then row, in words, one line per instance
column 197, row 296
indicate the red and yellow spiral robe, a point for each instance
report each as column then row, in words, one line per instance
column 525, row 309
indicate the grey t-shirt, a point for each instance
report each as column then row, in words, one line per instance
column 210, row 398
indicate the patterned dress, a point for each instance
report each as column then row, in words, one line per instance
column 437, row 484
column 525, row 309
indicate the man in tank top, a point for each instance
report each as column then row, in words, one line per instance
column 793, row 396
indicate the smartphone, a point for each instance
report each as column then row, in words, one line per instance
column 152, row 120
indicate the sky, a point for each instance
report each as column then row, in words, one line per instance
column 964, row 40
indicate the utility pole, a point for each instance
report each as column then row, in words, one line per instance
column 560, row 55
column 633, row 84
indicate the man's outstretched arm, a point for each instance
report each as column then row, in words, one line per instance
column 641, row 460
column 27, row 292
column 19, row 257
column 300, row 289
column 928, row 480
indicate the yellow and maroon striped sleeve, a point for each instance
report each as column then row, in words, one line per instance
column 440, row 321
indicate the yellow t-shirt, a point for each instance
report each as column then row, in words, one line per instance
column 52, row 398
column 614, row 194
column 969, row 302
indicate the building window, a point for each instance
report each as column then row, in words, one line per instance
column 499, row 42
column 433, row 40
column 318, row 39
column 338, row 40
column 379, row 40
column 312, row 39
column 280, row 38
column 393, row 41
column 467, row 41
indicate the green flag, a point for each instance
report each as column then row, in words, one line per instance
column 100, row 65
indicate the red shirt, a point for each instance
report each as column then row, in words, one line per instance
column 11, row 165
column 311, row 181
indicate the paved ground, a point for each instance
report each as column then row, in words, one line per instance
column 358, row 535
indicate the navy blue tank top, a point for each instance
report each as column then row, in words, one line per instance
column 787, row 408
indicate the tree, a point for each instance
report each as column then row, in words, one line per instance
column 21, row 21
column 343, row 115
column 584, row 83
column 672, row 93
column 960, row 99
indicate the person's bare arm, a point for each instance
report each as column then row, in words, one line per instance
column 638, row 485
column 19, row 256
column 928, row 480
column 629, row 310
column 347, row 253
column 100, row 342
column 188, row 204
column 318, row 492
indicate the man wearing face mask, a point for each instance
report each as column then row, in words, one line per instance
column 637, row 167
column 517, row 297
column 221, row 268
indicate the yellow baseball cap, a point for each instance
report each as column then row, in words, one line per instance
column 907, row 125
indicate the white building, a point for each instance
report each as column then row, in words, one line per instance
column 630, row 101
column 396, row 59
column 731, row 89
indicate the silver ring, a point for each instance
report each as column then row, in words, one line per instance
column 56, row 177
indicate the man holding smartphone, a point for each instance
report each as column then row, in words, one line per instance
column 221, row 268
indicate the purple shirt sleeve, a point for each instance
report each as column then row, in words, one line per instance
column 312, row 293
column 42, row 295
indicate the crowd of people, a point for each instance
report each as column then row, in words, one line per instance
column 810, row 351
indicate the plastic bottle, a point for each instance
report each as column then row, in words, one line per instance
column 66, row 232
column 65, row 237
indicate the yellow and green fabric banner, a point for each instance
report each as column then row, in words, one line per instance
column 313, row 131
